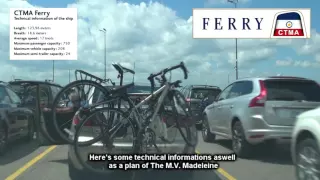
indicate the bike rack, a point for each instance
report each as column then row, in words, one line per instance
column 121, row 70
column 82, row 75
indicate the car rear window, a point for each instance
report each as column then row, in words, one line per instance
column 97, row 95
column 141, row 89
column 292, row 90
column 200, row 93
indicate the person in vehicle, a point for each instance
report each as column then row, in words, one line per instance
column 74, row 104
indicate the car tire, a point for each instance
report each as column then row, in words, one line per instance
column 240, row 145
column 199, row 126
column 3, row 138
column 312, row 164
column 206, row 134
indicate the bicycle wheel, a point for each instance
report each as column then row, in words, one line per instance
column 93, row 136
column 185, row 123
column 81, row 93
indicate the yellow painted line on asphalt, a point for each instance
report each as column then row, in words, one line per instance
column 33, row 161
column 222, row 171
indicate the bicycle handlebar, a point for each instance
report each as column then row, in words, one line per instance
column 166, row 70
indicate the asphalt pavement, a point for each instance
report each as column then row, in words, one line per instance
column 27, row 161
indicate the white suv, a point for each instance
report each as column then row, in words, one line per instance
column 305, row 146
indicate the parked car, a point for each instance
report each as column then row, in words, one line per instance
column 38, row 101
column 256, row 110
column 196, row 95
column 16, row 121
column 305, row 146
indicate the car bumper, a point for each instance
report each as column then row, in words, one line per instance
column 259, row 131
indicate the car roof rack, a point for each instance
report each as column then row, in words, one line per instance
column 205, row 86
column 288, row 77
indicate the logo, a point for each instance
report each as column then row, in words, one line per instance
column 289, row 24
column 253, row 23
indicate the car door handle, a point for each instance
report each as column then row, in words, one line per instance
column 231, row 106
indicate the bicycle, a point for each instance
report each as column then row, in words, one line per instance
column 143, row 136
column 87, row 88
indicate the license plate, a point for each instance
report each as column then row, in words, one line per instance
column 289, row 113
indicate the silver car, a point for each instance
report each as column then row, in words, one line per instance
column 256, row 110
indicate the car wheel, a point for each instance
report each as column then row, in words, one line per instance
column 206, row 134
column 199, row 126
column 239, row 143
column 3, row 138
column 308, row 160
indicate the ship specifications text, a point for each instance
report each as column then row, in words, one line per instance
column 43, row 34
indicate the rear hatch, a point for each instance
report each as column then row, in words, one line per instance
column 287, row 98
column 136, row 93
column 198, row 94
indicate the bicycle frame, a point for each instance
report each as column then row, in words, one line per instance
column 133, row 109
column 163, row 90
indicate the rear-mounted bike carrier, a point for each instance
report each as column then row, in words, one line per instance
column 82, row 75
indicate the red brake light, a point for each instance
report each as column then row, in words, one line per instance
column 76, row 121
column 259, row 100
column 188, row 99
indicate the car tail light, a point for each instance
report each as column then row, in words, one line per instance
column 188, row 99
column 76, row 121
column 163, row 119
column 259, row 100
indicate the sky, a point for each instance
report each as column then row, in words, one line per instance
column 156, row 34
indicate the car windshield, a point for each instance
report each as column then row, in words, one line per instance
column 292, row 90
column 4, row 99
column 200, row 93
column 17, row 88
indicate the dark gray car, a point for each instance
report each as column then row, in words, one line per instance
column 195, row 94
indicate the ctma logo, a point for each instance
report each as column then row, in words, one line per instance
column 289, row 24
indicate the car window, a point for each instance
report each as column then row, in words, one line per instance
column 241, row 88
column 14, row 97
column 141, row 89
column 186, row 93
column 291, row 90
column 224, row 94
column 182, row 90
column 4, row 97
column 200, row 93
column 44, row 95
column 55, row 90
